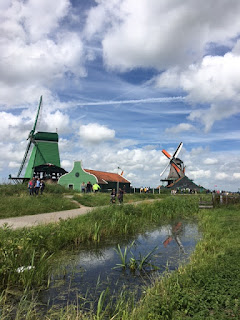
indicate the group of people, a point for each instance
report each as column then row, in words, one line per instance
column 119, row 196
column 145, row 189
column 35, row 185
column 87, row 188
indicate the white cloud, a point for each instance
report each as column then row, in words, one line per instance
column 180, row 128
column 210, row 161
column 67, row 165
column 95, row 133
column 236, row 175
column 12, row 128
column 13, row 164
column 35, row 49
column 213, row 81
column 57, row 121
column 221, row 176
column 160, row 34
column 42, row 17
column 200, row 173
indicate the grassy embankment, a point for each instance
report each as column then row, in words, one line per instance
column 206, row 288
column 209, row 286
column 34, row 246
column 15, row 200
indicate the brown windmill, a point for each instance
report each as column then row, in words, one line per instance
column 177, row 169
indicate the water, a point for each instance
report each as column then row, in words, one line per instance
column 84, row 274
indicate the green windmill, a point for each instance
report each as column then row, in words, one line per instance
column 44, row 156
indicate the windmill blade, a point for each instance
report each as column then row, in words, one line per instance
column 36, row 119
column 30, row 137
column 166, row 154
column 164, row 169
column 176, row 153
column 24, row 158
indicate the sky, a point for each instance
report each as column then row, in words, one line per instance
column 121, row 80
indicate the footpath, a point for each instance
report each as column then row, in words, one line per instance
column 44, row 218
column 52, row 217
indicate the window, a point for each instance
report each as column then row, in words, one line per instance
column 70, row 186
column 77, row 174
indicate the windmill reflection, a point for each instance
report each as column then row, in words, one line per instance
column 175, row 231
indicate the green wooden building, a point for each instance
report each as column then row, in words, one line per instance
column 106, row 180
column 76, row 177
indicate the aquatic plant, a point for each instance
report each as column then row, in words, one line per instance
column 101, row 301
column 132, row 263
column 96, row 232
column 144, row 261
column 122, row 255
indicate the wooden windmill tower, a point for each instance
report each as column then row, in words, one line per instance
column 44, row 153
column 177, row 169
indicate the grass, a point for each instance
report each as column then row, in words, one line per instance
column 206, row 288
column 17, row 247
column 16, row 202
column 102, row 199
column 209, row 286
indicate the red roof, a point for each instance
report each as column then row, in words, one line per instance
column 105, row 177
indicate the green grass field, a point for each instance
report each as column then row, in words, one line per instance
column 206, row 288
column 15, row 200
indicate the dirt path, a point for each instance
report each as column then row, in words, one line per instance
column 45, row 218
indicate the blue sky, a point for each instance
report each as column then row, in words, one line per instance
column 121, row 80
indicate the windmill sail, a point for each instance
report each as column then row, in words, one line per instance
column 30, row 137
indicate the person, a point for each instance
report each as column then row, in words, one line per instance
column 32, row 191
column 37, row 186
column 83, row 187
column 96, row 187
column 120, row 196
column 89, row 187
column 42, row 186
column 113, row 196
column 30, row 187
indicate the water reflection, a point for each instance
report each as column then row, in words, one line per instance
column 89, row 271
column 175, row 231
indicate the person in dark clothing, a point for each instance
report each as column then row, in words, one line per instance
column 37, row 186
column 113, row 196
column 42, row 186
column 89, row 187
column 120, row 195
